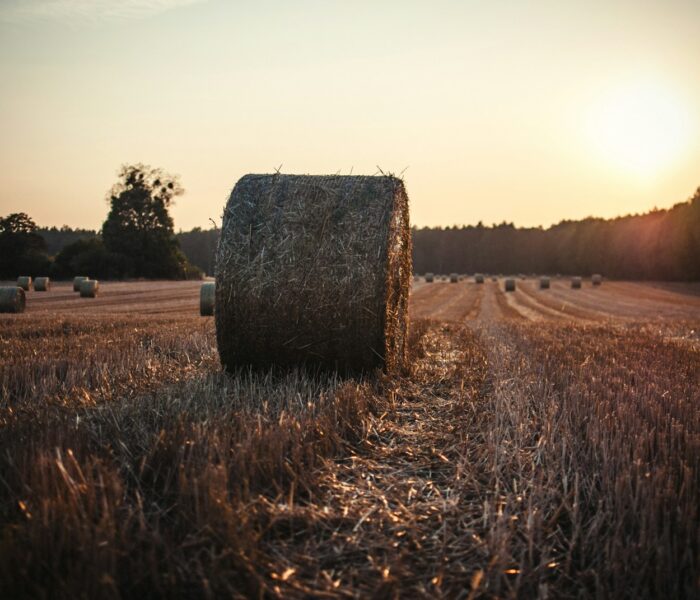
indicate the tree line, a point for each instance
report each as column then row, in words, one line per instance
column 660, row 245
column 137, row 240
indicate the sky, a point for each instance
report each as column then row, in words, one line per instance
column 528, row 112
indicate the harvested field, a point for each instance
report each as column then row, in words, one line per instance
column 542, row 443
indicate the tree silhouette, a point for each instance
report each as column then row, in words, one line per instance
column 139, row 227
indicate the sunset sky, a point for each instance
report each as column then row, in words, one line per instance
column 530, row 112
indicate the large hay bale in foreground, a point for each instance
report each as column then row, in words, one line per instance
column 454, row 278
column 314, row 271
column 207, row 298
column 42, row 284
column 429, row 277
column 576, row 283
column 544, row 283
column 77, row 281
column 25, row 282
column 510, row 285
column 12, row 299
column 89, row 288
column 597, row 279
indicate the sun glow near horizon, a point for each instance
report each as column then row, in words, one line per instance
column 642, row 128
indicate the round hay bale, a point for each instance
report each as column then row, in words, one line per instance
column 42, row 284
column 77, row 280
column 89, row 288
column 479, row 278
column 544, row 283
column 12, row 299
column 597, row 279
column 25, row 282
column 494, row 278
column 314, row 271
column 207, row 298
column 429, row 277
column 454, row 278
column 510, row 285
column 576, row 283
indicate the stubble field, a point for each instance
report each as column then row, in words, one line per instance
column 540, row 444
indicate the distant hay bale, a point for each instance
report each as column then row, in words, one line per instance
column 89, row 288
column 479, row 278
column 207, row 299
column 416, row 277
column 510, row 285
column 597, row 279
column 454, row 278
column 12, row 299
column 42, row 284
column 25, row 282
column 576, row 283
column 494, row 278
column 544, row 283
column 314, row 271
column 429, row 277
column 76, row 282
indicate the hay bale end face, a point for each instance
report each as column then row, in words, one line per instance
column 454, row 278
column 12, row 299
column 207, row 298
column 544, row 283
column 429, row 277
column 597, row 279
column 510, row 285
column 42, row 284
column 76, row 282
column 314, row 271
column 25, row 282
column 89, row 288
column 576, row 283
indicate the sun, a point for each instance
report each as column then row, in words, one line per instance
column 641, row 128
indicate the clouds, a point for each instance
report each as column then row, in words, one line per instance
column 85, row 11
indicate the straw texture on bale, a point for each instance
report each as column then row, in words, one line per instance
column 576, row 283
column 429, row 277
column 76, row 282
column 597, row 279
column 25, row 282
column 314, row 271
column 42, row 284
column 207, row 299
column 454, row 277
column 544, row 283
column 510, row 285
column 12, row 299
column 89, row 288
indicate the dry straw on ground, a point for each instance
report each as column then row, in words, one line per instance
column 510, row 285
column 12, row 299
column 76, row 282
column 25, row 282
column 429, row 277
column 42, row 284
column 89, row 288
column 544, row 283
column 207, row 299
column 597, row 279
column 314, row 270
column 576, row 283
